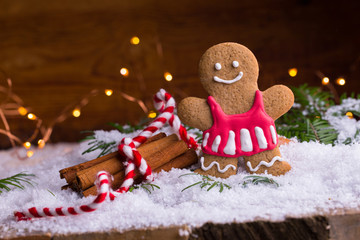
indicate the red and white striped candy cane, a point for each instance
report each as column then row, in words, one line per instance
column 103, row 187
column 165, row 104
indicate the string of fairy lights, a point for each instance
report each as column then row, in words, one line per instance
column 13, row 105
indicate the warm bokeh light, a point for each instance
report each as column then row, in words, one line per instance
column 168, row 77
column 27, row 145
column 29, row 154
column 124, row 72
column 135, row 40
column 31, row 116
column 151, row 114
column 293, row 72
column 76, row 112
column 350, row 115
column 340, row 81
column 23, row 111
column 108, row 92
column 325, row 81
column 41, row 143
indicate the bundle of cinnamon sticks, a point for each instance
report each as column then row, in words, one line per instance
column 160, row 151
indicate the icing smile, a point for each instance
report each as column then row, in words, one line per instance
column 237, row 78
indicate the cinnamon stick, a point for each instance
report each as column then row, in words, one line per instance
column 69, row 173
column 156, row 153
column 185, row 160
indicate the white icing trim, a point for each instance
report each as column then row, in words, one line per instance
column 261, row 138
column 230, row 147
column 216, row 143
column 206, row 137
column 217, row 165
column 235, row 64
column 266, row 164
column 273, row 134
column 220, row 80
column 217, row 66
column 246, row 143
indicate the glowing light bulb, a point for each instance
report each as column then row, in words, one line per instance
column 22, row 111
column 76, row 112
column 350, row 115
column 108, row 92
column 152, row 114
column 29, row 154
column 340, row 81
column 124, row 72
column 292, row 72
column 31, row 116
column 325, row 81
column 27, row 145
column 168, row 77
column 41, row 143
column 135, row 40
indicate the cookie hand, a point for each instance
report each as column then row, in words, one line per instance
column 278, row 100
column 195, row 112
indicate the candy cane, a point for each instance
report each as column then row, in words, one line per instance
column 165, row 104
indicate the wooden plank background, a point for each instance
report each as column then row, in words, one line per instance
column 57, row 51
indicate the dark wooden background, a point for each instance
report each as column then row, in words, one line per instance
column 57, row 51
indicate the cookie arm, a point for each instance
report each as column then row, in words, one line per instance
column 278, row 100
column 195, row 112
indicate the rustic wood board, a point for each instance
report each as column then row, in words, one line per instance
column 57, row 51
column 334, row 227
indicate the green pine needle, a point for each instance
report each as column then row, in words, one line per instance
column 205, row 182
column 148, row 187
column 254, row 179
column 17, row 181
column 107, row 147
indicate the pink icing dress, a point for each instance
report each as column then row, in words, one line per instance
column 240, row 134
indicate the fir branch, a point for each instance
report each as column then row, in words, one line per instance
column 254, row 179
column 205, row 182
column 148, row 187
column 128, row 128
column 17, row 181
column 107, row 147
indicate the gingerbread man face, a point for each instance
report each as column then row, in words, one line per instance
column 227, row 67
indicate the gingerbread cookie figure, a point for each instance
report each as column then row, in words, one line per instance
column 237, row 119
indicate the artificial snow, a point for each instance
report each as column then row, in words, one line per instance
column 324, row 179
column 348, row 128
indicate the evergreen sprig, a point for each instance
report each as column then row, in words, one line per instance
column 149, row 187
column 206, row 182
column 305, row 120
column 254, row 179
column 17, row 181
column 107, row 147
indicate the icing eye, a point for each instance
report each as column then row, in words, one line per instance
column 235, row 64
column 217, row 66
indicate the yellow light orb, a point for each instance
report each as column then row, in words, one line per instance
column 108, row 92
column 31, row 116
column 325, row 81
column 124, row 72
column 350, row 115
column 152, row 114
column 135, row 40
column 293, row 72
column 27, row 145
column 76, row 112
column 340, row 81
column 22, row 111
column 41, row 143
column 168, row 77
column 29, row 154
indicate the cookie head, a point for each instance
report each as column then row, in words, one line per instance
column 228, row 65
